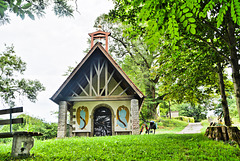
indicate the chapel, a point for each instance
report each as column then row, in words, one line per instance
column 98, row 95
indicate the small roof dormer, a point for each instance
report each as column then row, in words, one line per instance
column 100, row 36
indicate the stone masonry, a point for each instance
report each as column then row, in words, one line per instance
column 135, row 116
column 62, row 120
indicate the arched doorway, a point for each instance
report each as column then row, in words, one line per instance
column 102, row 122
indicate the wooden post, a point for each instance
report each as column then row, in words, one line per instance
column 106, row 78
column 90, row 79
column 10, row 119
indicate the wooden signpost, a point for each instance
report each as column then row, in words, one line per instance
column 11, row 120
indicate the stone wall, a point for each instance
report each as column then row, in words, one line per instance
column 62, row 120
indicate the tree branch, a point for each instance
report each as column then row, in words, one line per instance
column 125, row 46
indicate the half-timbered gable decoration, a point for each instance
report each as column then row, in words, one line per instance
column 100, row 97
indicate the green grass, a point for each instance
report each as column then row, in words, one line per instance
column 205, row 124
column 130, row 147
column 170, row 126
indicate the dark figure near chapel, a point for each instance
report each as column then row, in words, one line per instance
column 152, row 126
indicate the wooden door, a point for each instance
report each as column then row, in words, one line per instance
column 102, row 122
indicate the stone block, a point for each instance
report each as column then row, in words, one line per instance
column 22, row 144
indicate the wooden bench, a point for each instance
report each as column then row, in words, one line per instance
column 22, row 140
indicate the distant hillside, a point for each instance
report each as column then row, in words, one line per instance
column 33, row 124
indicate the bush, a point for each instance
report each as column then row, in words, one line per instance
column 32, row 124
column 171, row 122
column 186, row 119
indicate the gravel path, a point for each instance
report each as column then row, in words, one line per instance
column 191, row 128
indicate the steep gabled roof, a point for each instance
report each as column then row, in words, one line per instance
column 81, row 75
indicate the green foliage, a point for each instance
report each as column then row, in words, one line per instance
column 33, row 124
column 167, row 126
column 137, row 60
column 171, row 123
column 186, row 119
column 233, row 112
column 190, row 110
column 172, row 17
column 10, row 86
column 198, row 35
column 205, row 124
column 130, row 147
column 32, row 8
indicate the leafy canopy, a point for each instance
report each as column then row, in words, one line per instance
column 156, row 18
column 33, row 8
column 10, row 86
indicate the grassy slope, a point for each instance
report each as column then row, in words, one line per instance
column 170, row 126
column 138, row 147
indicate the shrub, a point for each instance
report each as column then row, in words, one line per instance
column 171, row 122
column 32, row 124
column 186, row 119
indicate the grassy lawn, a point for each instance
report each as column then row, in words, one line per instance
column 130, row 147
column 170, row 126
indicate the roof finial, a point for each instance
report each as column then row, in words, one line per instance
column 100, row 36
column 100, row 27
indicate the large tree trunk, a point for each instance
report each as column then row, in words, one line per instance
column 233, row 58
column 223, row 96
column 151, row 95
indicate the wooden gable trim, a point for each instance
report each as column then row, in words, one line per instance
column 100, row 98
column 112, row 61
column 73, row 72
column 119, row 69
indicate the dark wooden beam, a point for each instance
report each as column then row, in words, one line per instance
column 100, row 98
column 10, row 134
column 106, row 80
column 13, row 110
column 14, row 121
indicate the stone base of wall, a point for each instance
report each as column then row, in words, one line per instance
column 81, row 134
column 123, row 133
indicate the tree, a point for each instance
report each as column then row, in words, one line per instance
column 137, row 61
column 213, row 22
column 33, row 8
column 10, row 86
column 191, row 110
column 145, row 67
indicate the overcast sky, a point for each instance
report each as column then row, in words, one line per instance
column 49, row 45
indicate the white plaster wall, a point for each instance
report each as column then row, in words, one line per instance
column 92, row 104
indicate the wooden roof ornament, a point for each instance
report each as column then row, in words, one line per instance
column 100, row 35
column 91, row 79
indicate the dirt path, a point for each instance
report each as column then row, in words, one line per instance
column 192, row 128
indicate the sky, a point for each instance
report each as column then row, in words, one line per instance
column 49, row 45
